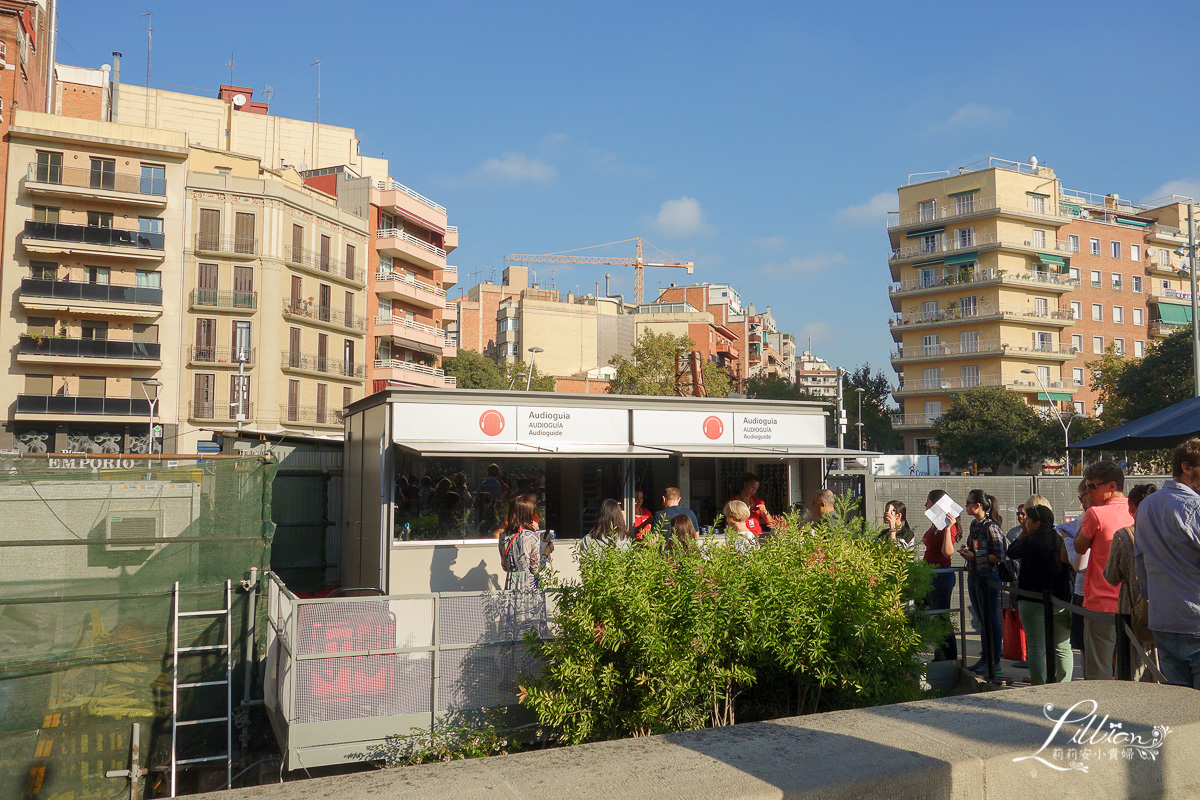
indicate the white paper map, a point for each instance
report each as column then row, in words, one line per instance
column 938, row 511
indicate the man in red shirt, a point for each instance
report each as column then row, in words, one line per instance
column 1108, row 513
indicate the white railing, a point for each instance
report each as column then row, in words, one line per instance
column 408, row 366
column 938, row 384
column 450, row 272
column 1107, row 201
column 899, row 420
column 982, row 310
column 451, row 229
column 1029, row 386
column 396, row 276
column 396, row 186
column 392, row 319
column 396, row 233
column 982, row 276
column 981, row 347
column 979, row 240
column 954, row 209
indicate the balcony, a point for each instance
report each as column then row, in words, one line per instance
column 50, row 349
column 913, row 421
column 223, row 301
column 450, row 348
column 977, row 313
column 410, row 373
column 451, row 240
column 222, row 356
column 979, row 206
column 400, row 188
column 1038, row 278
column 94, row 406
column 409, row 333
column 1160, row 327
column 316, row 262
column 112, row 187
column 224, row 412
column 237, row 247
column 983, row 347
column 295, row 361
column 323, row 315
column 924, row 250
column 409, row 289
column 943, row 385
column 728, row 350
column 398, row 244
column 449, row 277
column 88, row 240
column 1066, row 387
column 90, row 298
column 311, row 415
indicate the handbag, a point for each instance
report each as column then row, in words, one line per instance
column 1009, row 570
column 1012, row 635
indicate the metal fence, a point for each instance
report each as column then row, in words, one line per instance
column 343, row 674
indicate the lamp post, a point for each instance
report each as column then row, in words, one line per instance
column 153, row 401
column 859, row 424
column 1190, row 271
column 533, row 351
column 1066, row 426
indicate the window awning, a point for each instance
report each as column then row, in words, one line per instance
column 521, row 450
column 960, row 194
column 1063, row 264
column 1058, row 397
column 1135, row 222
column 1036, row 194
column 929, row 232
column 962, row 258
column 1175, row 315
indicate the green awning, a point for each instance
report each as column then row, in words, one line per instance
column 1071, row 208
column 933, row 263
column 918, row 234
column 960, row 194
column 1175, row 315
column 1135, row 222
column 962, row 258
column 1036, row 194
column 1058, row 397
column 1057, row 261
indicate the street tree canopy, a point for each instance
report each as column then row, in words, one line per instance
column 476, row 371
column 515, row 376
column 996, row 428
column 651, row 371
column 1131, row 388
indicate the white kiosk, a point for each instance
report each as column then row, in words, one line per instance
column 428, row 472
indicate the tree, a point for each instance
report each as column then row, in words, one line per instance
column 1132, row 388
column 716, row 380
column 474, row 371
column 515, row 377
column 876, row 416
column 995, row 428
column 651, row 371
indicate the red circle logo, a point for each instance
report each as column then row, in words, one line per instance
column 491, row 422
column 713, row 427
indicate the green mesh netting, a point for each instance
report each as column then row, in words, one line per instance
column 90, row 549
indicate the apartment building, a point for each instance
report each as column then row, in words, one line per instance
column 815, row 376
column 1003, row 277
column 94, row 224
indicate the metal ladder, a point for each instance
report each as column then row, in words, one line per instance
column 176, row 686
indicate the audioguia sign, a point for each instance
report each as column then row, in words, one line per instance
column 675, row 428
column 534, row 425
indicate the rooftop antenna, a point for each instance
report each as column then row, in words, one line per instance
column 229, row 64
column 267, row 92
column 149, row 42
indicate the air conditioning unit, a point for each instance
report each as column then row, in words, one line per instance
column 132, row 530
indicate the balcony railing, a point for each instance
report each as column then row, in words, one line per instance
column 293, row 359
column 81, row 178
column 1160, row 327
column 101, row 406
column 978, row 241
column 99, row 292
column 303, row 308
column 222, row 411
column 416, row 327
column 940, row 384
column 977, row 205
column 915, row 420
column 983, row 310
column 94, row 235
column 396, row 233
column 213, row 243
column 396, row 186
column 218, row 299
column 408, row 366
column 402, row 278
column 205, row 354
column 983, row 276
column 314, row 415
column 314, row 259
column 88, row 348
column 981, row 347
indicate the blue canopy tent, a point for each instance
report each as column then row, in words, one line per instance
column 1165, row 428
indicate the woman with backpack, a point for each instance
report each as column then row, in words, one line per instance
column 1045, row 567
column 521, row 545
column 984, row 550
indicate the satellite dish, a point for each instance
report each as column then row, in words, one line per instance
column 301, row 166
column 1150, row 251
column 239, row 100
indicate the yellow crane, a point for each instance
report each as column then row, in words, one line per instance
column 638, row 263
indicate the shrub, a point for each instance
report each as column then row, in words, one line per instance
column 424, row 746
column 654, row 640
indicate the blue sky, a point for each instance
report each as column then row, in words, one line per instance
column 763, row 141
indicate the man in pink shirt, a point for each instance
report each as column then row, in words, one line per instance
column 1109, row 512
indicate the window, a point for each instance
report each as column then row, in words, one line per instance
column 1043, row 341
column 154, row 179
column 326, row 244
column 967, row 306
column 968, row 342
column 933, row 410
column 351, row 257
column 43, row 270
column 966, row 237
column 1099, row 408
column 964, row 204
column 1043, row 374
column 293, row 401
column 323, row 352
column 1039, row 237
column 1139, row 348
column 1135, row 252
column 244, row 240
column 347, row 396
column 150, row 225
column 509, row 324
column 1114, row 249
column 297, row 289
column 39, row 384
column 1073, row 242
column 99, row 219
column 1164, row 257
column 1077, row 309
column 348, row 308
column 1041, row 306
column 1094, row 246
column 933, row 377
column 929, row 243
column 145, row 333
column 1135, row 284
column 94, row 329
column 1098, row 345
column 1077, row 375
column 39, row 326
column 324, row 301
column 929, row 309
column 928, row 278
column 209, row 237
column 1037, row 204
column 49, row 167
column 1096, row 280
column 92, row 386
column 969, row 376
column 103, row 174
column 322, row 390
column 149, row 279
column 1077, row 342
column 926, row 211
column 97, row 275
column 1119, row 315
column 512, row 348
column 1139, row 316
column 45, row 214
column 243, row 285
column 1097, row 312
column 206, row 340
column 1117, row 283
column 1074, row 273
column 1078, row 405
column 293, row 347
column 1119, row 346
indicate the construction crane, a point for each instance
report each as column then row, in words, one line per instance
column 639, row 265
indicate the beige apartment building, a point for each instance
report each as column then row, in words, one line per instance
column 1003, row 277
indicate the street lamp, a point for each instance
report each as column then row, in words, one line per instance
column 153, row 401
column 1066, row 426
column 859, row 424
column 1190, row 271
column 532, row 357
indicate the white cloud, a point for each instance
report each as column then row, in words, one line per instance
column 595, row 158
column 769, row 242
column 800, row 267
column 681, row 218
column 514, row 167
column 1182, row 188
column 972, row 115
column 872, row 212
column 816, row 331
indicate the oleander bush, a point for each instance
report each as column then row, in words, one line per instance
column 654, row 640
